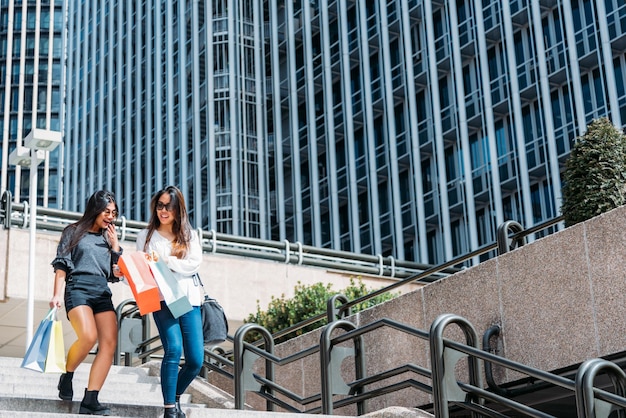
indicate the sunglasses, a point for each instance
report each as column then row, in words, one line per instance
column 167, row 206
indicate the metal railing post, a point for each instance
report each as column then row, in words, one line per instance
column 123, row 342
column 244, row 363
column 331, row 358
column 213, row 239
column 122, row 223
column 506, row 244
column 5, row 208
column 334, row 312
column 445, row 386
column 587, row 406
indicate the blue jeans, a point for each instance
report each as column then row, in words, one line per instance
column 178, row 335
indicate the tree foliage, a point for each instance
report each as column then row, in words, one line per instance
column 595, row 173
column 307, row 302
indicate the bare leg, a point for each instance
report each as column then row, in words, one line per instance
column 84, row 324
column 106, row 326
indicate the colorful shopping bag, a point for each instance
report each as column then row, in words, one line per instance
column 35, row 357
column 173, row 295
column 135, row 268
column 55, row 360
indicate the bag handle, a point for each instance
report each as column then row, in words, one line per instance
column 206, row 295
column 52, row 314
column 196, row 276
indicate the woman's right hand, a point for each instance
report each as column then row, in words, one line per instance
column 152, row 256
column 56, row 301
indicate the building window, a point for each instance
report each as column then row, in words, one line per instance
column 584, row 26
column 593, row 95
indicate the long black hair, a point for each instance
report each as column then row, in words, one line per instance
column 96, row 204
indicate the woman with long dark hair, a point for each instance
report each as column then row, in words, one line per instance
column 169, row 237
column 86, row 261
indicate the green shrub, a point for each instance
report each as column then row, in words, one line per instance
column 595, row 173
column 307, row 302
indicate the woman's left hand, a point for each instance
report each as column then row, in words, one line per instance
column 117, row 272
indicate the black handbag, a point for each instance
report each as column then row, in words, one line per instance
column 214, row 322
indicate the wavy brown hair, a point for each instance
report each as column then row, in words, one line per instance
column 181, row 227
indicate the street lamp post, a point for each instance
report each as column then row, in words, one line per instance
column 36, row 143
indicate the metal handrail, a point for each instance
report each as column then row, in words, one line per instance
column 405, row 272
column 426, row 275
column 55, row 220
column 445, row 387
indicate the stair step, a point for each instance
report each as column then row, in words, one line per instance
column 206, row 413
column 128, row 392
column 80, row 377
column 40, row 405
column 11, row 366
column 30, row 414
column 123, row 384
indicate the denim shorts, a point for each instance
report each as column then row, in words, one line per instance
column 92, row 291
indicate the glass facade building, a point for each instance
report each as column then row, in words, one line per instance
column 413, row 128
column 405, row 128
column 167, row 92
column 31, row 91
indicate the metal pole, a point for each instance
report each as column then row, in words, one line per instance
column 30, row 308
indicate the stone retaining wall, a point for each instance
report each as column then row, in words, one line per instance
column 560, row 301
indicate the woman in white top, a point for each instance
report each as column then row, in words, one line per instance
column 169, row 237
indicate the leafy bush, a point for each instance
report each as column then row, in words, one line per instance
column 595, row 173
column 307, row 302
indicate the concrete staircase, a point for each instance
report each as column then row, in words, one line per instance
column 129, row 392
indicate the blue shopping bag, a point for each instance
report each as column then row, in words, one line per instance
column 35, row 358
column 173, row 295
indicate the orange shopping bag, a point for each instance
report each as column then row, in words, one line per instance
column 135, row 268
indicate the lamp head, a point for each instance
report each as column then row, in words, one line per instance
column 42, row 139
column 21, row 156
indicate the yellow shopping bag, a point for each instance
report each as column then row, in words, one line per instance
column 55, row 359
column 35, row 357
